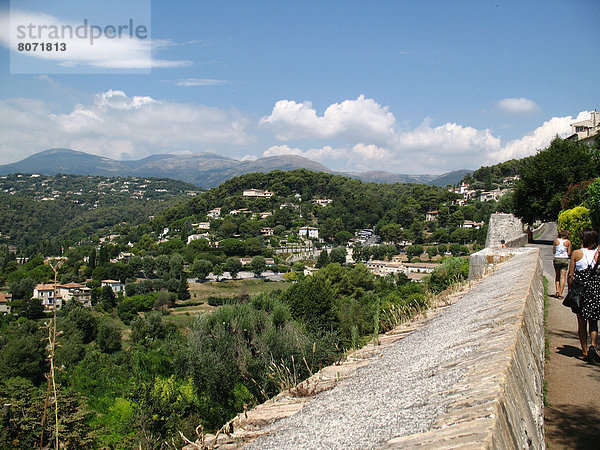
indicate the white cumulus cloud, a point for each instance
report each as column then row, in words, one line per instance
column 114, row 123
column 372, row 139
column 349, row 119
column 522, row 106
column 538, row 139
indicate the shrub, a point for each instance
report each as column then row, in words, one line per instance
column 593, row 203
column 449, row 272
column 109, row 338
column 574, row 220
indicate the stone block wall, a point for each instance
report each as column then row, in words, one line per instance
column 499, row 403
column 469, row 376
column 507, row 227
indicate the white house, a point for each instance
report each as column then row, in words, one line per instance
column 45, row 292
column 322, row 201
column 382, row 268
column 586, row 128
column 488, row 196
column 75, row 291
column 116, row 286
column 267, row 231
column 310, row 232
column 5, row 297
column 214, row 213
column 256, row 193
column 420, row 267
column 233, row 212
column 431, row 216
column 471, row 224
column 194, row 237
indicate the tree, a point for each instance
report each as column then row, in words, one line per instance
column 162, row 301
column 311, row 301
column 546, row 176
column 593, row 203
column 107, row 298
column 92, row 258
column 162, row 266
column 24, row 356
column 338, row 255
column 460, row 235
column 183, row 289
column 176, row 263
column 232, row 246
column 218, row 270
column 414, row 250
column 103, row 256
column 109, row 338
column 233, row 266
column 258, row 265
column 148, row 328
column 342, row 237
column 432, row 251
column 84, row 321
column 392, row 232
column 30, row 308
column 148, row 266
column 22, row 288
column 201, row 268
column 135, row 262
column 416, row 231
column 455, row 248
column 252, row 246
column 323, row 259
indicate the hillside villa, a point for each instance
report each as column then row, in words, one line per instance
column 586, row 129
column 431, row 216
column 5, row 297
column 45, row 292
column 75, row 291
column 214, row 213
column 256, row 193
column 310, row 232
column 116, row 286
column 414, row 271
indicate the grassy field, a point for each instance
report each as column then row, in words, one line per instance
column 229, row 288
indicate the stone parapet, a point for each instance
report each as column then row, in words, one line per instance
column 468, row 376
column 499, row 403
column 505, row 227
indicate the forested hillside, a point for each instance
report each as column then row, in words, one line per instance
column 136, row 366
column 46, row 213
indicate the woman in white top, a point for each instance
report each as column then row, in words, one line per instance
column 562, row 252
column 581, row 259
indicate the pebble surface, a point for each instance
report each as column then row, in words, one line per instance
column 407, row 388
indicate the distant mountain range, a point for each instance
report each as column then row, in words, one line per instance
column 205, row 170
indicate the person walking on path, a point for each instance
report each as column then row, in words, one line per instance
column 562, row 252
column 572, row 414
column 581, row 260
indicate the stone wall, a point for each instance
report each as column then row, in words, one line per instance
column 499, row 404
column 507, row 227
column 469, row 375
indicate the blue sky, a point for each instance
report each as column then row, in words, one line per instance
column 407, row 87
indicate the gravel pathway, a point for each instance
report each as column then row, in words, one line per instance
column 403, row 392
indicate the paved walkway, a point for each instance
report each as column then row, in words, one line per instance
column 572, row 419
